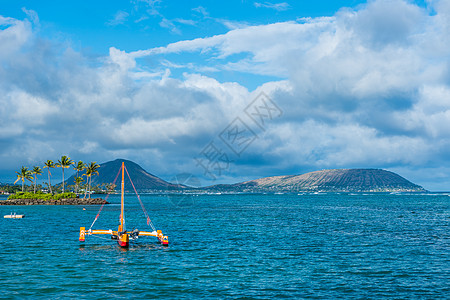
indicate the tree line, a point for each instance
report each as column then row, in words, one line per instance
column 65, row 162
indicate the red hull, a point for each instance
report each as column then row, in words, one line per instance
column 163, row 242
column 123, row 244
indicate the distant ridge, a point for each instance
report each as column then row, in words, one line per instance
column 336, row 180
column 142, row 180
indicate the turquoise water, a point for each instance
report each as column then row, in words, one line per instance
column 235, row 246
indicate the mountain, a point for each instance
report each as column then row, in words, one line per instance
column 142, row 180
column 337, row 180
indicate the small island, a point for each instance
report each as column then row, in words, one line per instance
column 55, row 201
column 55, row 195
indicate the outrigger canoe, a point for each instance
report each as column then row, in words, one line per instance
column 121, row 235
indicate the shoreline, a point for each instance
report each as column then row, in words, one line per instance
column 69, row 201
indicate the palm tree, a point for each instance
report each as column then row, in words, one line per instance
column 110, row 188
column 91, row 170
column 49, row 165
column 64, row 163
column 79, row 166
column 24, row 174
column 78, row 182
column 36, row 171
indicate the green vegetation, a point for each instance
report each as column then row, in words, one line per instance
column 91, row 170
column 79, row 167
column 9, row 189
column 41, row 196
column 49, row 165
column 36, row 171
column 23, row 174
column 64, row 163
column 36, row 191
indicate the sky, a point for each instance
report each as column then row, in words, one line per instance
column 228, row 91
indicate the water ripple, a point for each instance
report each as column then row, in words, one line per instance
column 237, row 246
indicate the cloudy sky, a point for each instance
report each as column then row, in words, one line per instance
column 228, row 91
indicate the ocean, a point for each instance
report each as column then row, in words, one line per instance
column 322, row 246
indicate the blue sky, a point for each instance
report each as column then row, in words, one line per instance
column 92, row 28
column 134, row 25
column 351, row 84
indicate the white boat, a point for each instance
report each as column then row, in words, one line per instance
column 14, row 216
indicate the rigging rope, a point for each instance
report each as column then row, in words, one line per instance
column 100, row 237
column 106, row 198
column 149, row 222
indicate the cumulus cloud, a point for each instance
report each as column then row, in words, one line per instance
column 13, row 36
column 367, row 87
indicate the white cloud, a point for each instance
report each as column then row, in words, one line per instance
column 30, row 109
column 119, row 18
column 185, row 22
column 122, row 59
column 201, row 10
column 170, row 25
column 13, row 36
column 276, row 6
column 32, row 15
column 368, row 87
column 232, row 25
column 385, row 22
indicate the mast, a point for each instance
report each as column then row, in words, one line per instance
column 122, row 217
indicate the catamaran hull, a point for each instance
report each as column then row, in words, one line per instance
column 123, row 244
column 164, row 242
column 123, row 239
